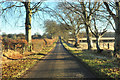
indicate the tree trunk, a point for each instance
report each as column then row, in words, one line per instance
column 28, row 25
column 117, row 33
column 117, row 38
column 97, row 44
column 89, row 41
column 117, row 26
column 76, row 40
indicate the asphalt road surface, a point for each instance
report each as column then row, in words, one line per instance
column 59, row 64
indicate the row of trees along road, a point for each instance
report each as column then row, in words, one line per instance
column 75, row 16
column 87, row 15
column 78, row 16
column 53, row 29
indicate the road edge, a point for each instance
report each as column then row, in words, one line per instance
column 44, row 57
column 84, row 64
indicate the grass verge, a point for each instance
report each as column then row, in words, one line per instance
column 16, row 68
column 103, row 66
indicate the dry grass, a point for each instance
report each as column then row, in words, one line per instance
column 13, row 54
column 38, row 45
column 17, row 68
column 103, row 45
column 101, row 64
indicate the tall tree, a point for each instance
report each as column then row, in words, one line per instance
column 96, row 30
column 51, row 28
column 30, row 8
column 65, row 33
column 72, row 20
column 110, row 6
column 85, row 10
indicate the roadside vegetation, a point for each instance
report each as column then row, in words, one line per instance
column 101, row 64
column 69, row 20
column 15, row 66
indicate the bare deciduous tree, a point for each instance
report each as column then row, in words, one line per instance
column 30, row 8
column 116, row 16
column 85, row 10
column 72, row 19
column 96, row 31
column 51, row 28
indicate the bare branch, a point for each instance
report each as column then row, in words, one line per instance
column 108, row 21
column 37, row 5
column 108, row 9
column 9, row 7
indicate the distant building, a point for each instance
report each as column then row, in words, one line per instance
column 107, row 34
column 103, row 39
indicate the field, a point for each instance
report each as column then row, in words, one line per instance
column 103, row 45
column 15, row 64
column 102, row 64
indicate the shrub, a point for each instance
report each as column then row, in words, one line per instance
column 12, row 44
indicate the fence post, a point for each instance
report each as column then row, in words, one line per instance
column 7, row 47
column 23, row 48
column 103, row 44
column 32, row 46
column 108, row 46
column 15, row 47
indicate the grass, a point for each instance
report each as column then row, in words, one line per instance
column 17, row 68
column 102, row 65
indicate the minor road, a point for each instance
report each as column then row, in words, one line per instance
column 59, row 64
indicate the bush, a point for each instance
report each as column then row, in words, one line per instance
column 14, row 44
column 38, row 44
column 22, row 45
